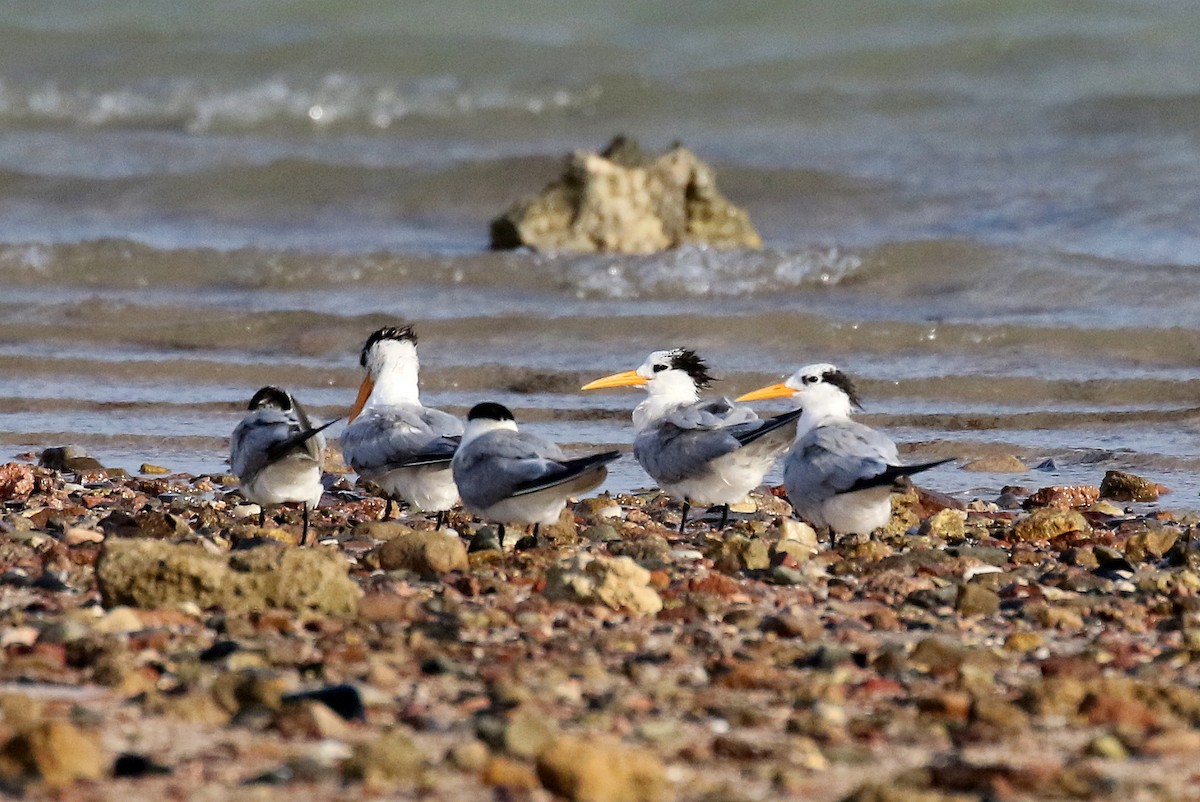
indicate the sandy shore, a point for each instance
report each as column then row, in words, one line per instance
column 1031, row 646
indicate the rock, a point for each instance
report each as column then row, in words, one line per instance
column 974, row 599
column 785, row 575
column 391, row 759
column 1024, row 642
column 486, row 539
column 309, row 719
column 151, row 573
column 343, row 699
column 429, row 554
column 69, row 458
column 56, row 752
column 616, row 582
column 77, row 535
column 1064, row 496
column 996, row 463
column 505, row 773
column 1107, row 746
column 382, row 530
column 16, row 481
column 133, row 765
column 527, row 733
column 150, row 469
column 470, row 755
column 1120, row 486
column 740, row 553
column 1048, row 523
column 601, row 769
column 947, row 524
column 1150, row 545
column 119, row 621
column 620, row 201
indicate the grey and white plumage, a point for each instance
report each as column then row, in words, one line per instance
column 711, row 452
column 513, row 477
column 839, row 473
column 394, row 441
column 276, row 453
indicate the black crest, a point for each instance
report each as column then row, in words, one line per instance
column 686, row 360
column 842, row 382
column 490, row 410
column 271, row 397
column 401, row 333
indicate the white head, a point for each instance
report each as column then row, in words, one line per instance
column 390, row 358
column 671, row 378
column 487, row 417
column 822, row 390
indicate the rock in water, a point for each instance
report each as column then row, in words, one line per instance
column 151, row 573
column 1120, row 486
column 601, row 770
column 623, row 202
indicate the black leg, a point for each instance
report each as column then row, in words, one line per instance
column 724, row 516
column 262, row 517
column 536, row 529
column 443, row 518
column 683, row 515
column 387, row 510
column 304, row 535
column 500, row 535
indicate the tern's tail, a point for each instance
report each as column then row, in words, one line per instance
column 299, row 440
column 770, row 425
column 590, row 471
column 893, row 474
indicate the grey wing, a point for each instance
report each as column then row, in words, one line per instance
column 831, row 459
column 492, row 467
column 711, row 414
column 671, row 454
column 254, row 437
column 399, row 435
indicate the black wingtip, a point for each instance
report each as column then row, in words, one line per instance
column 769, row 425
column 285, row 447
column 894, row 474
column 571, row 469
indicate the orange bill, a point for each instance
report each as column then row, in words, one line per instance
column 629, row 378
column 779, row 390
column 364, row 392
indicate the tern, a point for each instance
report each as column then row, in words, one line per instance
column 839, row 473
column 392, row 440
column 276, row 454
column 701, row 452
column 513, row 477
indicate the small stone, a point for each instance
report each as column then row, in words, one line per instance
column 794, row 624
column 16, row 481
column 381, row 530
column 150, row 469
column 740, row 553
column 785, row 575
column 1024, row 642
column 974, row 599
column 486, row 539
column 601, row 769
column 503, row 772
column 1107, row 746
column 77, row 535
column 616, row 582
column 309, row 719
column 119, row 620
column 55, row 752
column 527, row 733
column 1064, row 497
column 343, row 699
column 1104, row 507
column 998, row 463
column 1049, row 523
column 390, row 760
column 1120, row 486
column 470, row 755
column 948, row 524
column 601, row 533
column 1151, row 545
column 133, row 765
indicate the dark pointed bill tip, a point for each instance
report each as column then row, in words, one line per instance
column 689, row 362
column 271, row 397
column 489, row 410
column 404, row 333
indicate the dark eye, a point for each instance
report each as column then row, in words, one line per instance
column 810, row 379
column 659, row 368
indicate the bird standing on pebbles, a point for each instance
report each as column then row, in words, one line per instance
column 512, row 477
column 276, row 454
column 839, row 473
column 392, row 440
column 700, row 452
